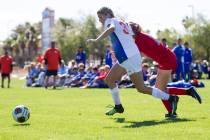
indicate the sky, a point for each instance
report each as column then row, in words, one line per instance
column 150, row 14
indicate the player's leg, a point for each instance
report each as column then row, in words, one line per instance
column 2, row 80
column 183, row 73
column 113, row 76
column 187, row 73
column 54, row 78
column 55, row 74
column 8, row 85
column 176, row 91
column 161, row 82
column 136, row 75
column 137, row 79
column 46, row 79
column 178, row 71
column 134, row 71
column 163, row 77
column 185, row 91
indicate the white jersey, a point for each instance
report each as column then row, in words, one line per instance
column 122, row 40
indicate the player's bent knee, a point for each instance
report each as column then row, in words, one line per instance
column 109, row 81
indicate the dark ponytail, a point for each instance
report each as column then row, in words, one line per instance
column 106, row 11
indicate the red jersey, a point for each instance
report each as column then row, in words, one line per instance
column 40, row 59
column 102, row 76
column 53, row 57
column 6, row 64
column 156, row 51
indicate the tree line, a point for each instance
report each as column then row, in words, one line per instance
column 25, row 41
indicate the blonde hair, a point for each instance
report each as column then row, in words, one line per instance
column 106, row 11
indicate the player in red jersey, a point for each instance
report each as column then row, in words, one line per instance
column 52, row 58
column 167, row 63
column 6, row 67
column 39, row 58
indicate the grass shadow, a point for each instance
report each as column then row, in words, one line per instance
column 119, row 120
column 57, row 88
column 134, row 124
column 22, row 124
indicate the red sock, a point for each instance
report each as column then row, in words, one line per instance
column 176, row 91
column 167, row 105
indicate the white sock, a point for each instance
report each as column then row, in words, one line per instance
column 115, row 95
column 159, row 94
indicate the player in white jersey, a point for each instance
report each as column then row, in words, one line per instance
column 122, row 40
column 129, row 60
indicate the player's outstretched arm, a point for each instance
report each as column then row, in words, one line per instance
column 103, row 35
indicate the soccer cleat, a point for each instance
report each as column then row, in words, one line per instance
column 192, row 92
column 114, row 110
column 173, row 102
column 170, row 115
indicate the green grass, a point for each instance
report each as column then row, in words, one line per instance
column 78, row 114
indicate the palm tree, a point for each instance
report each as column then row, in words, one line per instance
column 24, row 42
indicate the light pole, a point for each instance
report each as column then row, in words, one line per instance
column 192, row 10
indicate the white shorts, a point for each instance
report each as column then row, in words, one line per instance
column 132, row 64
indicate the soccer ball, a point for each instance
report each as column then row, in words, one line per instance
column 21, row 113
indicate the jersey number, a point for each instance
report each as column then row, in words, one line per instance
column 125, row 28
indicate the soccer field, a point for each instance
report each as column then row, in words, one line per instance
column 78, row 114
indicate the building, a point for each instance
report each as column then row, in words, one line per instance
column 48, row 16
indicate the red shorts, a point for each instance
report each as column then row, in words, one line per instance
column 168, row 61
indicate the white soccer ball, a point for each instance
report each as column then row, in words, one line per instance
column 21, row 113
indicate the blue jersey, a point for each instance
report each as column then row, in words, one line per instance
column 179, row 84
column 63, row 70
column 187, row 59
column 179, row 52
column 188, row 55
column 80, row 57
column 33, row 72
column 108, row 58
